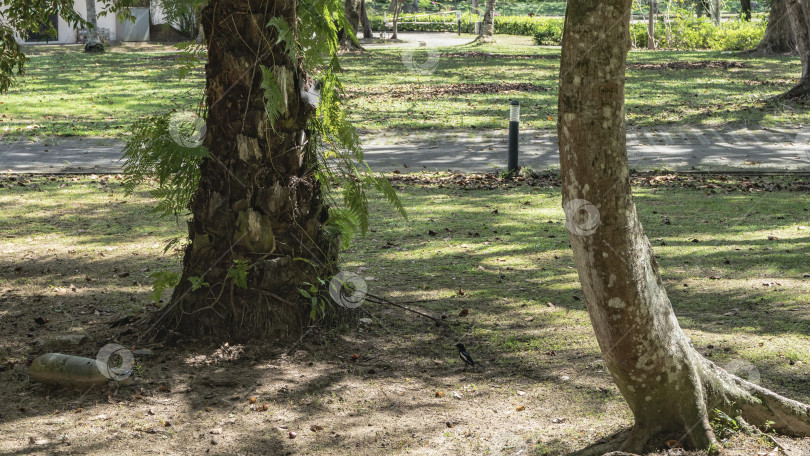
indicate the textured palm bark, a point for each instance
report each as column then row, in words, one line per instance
column 670, row 388
column 93, row 43
column 488, row 25
column 257, row 200
column 799, row 12
column 778, row 38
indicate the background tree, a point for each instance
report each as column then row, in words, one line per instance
column 366, row 24
column 488, row 25
column 348, row 36
column 92, row 43
column 745, row 9
column 670, row 388
column 779, row 38
column 799, row 12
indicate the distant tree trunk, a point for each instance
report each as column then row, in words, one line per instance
column 716, row 8
column 367, row 32
column 353, row 17
column 779, row 37
column 397, row 5
column 670, row 388
column 745, row 7
column 475, row 7
column 258, row 203
column 200, row 32
column 703, row 8
column 488, row 25
column 651, row 25
column 799, row 12
column 93, row 43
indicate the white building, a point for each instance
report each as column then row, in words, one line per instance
column 109, row 26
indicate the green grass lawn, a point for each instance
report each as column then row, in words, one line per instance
column 66, row 92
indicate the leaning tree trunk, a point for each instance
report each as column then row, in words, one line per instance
column 488, row 25
column 799, row 12
column 258, row 201
column 670, row 388
column 366, row 24
column 779, row 37
column 93, row 43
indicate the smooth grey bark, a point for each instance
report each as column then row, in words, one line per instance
column 397, row 7
column 651, row 25
column 93, row 43
column 670, row 388
column 488, row 25
column 779, row 37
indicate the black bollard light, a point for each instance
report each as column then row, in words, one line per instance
column 514, row 129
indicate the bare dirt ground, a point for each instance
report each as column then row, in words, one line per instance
column 404, row 393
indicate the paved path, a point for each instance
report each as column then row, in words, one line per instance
column 676, row 148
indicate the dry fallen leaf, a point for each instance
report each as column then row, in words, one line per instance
column 520, row 408
column 439, row 393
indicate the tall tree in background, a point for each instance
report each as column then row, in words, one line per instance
column 348, row 36
column 671, row 389
column 488, row 25
column 745, row 8
column 366, row 24
column 93, row 43
column 779, row 37
column 799, row 12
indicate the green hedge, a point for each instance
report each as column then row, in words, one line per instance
column 685, row 32
column 549, row 28
column 688, row 33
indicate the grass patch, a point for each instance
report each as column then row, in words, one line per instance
column 66, row 92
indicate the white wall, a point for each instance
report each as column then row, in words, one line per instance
column 68, row 35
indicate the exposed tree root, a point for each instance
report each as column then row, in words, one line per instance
column 755, row 408
column 799, row 91
column 484, row 39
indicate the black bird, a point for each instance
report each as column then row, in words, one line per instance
column 462, row 353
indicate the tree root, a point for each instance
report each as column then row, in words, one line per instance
column 753, row 407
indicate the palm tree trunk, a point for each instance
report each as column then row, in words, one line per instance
column 258, row 201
